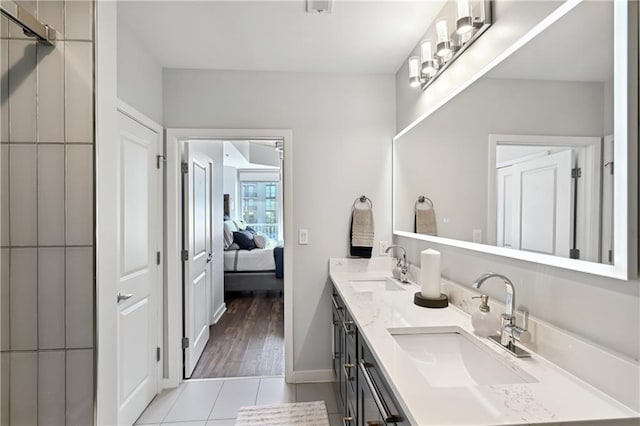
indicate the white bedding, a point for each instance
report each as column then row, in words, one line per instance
column 249, row 260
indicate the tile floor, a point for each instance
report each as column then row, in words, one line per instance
column 215, row 402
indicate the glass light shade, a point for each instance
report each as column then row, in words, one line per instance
column 428, row 65
column 414, row 66
column 464, row 9
column 426, row 50
column 442, row 28
column 414, row 71
column 444, row 44
column 464, row 24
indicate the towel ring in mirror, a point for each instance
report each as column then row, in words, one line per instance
column 422, row 199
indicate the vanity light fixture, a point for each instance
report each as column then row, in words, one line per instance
column 471, row 18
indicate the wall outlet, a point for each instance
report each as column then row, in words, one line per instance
column 383, row 247
column 303, row 236
column 477, row 235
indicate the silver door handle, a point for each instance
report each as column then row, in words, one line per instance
column 122, row 297
column 209, row 257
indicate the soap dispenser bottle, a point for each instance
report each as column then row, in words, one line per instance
column 484, row 323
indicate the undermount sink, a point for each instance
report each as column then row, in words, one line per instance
column 453, row 358
column 386, row 284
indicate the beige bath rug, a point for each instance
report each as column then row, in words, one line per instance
column 298, row 414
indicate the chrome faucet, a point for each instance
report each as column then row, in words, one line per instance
column 510, row 332
column 402, row 264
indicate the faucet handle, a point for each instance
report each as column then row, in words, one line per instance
column 525, row 320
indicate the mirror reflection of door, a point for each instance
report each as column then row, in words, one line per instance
column 535, row 204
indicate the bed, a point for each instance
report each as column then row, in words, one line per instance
column 259, row 268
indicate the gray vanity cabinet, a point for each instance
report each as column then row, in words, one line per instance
column 363, row 395
column 344, row 352
column 337, row 346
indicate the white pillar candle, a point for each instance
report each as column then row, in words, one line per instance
column 430, row 273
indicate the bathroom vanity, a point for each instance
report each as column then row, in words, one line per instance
column 398, row 363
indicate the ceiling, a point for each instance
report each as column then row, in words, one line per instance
column 357, row 37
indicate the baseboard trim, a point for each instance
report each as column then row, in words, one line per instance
column 221, row 310
column 313, row 376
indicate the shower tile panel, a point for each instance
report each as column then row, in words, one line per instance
column 47, row 280
column 22, row 89
column 51, row 383
column 51, row 93
column 51, row 195
column 79, row 297
column 79, row 190
column 79, row 407
column 5, row 283
column 79, row 22
column 4, row 86
column 5, row 370
column 23, row 398
column 4, row 29
column 22, row 195
column 4, row 195
column 51, row 298
column 79, row 91
column 24, row 299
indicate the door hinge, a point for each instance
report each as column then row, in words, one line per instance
column 158, row 258
column 574, row 253
column 160, row 159
column 576, row 172
column 185, row 255
column 610, row 256
column 185, row 342
column 185, row 168
column 158, row 354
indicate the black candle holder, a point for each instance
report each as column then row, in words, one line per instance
column 426, row 302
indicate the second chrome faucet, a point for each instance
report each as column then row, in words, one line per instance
column 510, row 332
column 402, row 265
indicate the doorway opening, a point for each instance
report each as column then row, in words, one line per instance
column 246, row 333
column 232, row 224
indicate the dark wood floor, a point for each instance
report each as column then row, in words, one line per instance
column 248, row 340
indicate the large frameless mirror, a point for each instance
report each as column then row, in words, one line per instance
column 531, row 160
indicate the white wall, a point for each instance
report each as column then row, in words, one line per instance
column 231, row 188
column 342, row 127
column 214, row 150
column 139, row 75
column 605, row 311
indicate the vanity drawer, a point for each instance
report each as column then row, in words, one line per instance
column 376, row 403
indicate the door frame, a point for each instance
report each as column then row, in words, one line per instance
column 174, row 137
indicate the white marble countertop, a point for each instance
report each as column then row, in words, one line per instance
column 553, row 396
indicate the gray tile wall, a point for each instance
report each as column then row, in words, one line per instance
column 47, row 285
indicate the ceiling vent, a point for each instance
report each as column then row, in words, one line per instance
column 320, row 6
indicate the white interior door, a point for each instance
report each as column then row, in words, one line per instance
column 198, row 244
column 139, row 272
column 535, row 205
